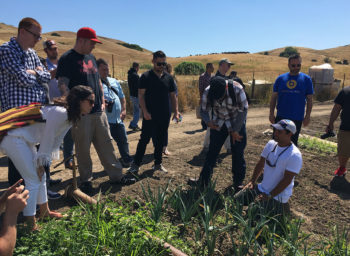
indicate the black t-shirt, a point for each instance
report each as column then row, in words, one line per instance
column 343, row 99
column 157, row 93
column 81, row 70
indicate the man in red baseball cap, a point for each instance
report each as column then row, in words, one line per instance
column 78, row 67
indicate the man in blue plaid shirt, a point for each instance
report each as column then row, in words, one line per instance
column 22, row 75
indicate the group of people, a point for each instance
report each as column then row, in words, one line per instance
column 223, row 109
column 77, row 102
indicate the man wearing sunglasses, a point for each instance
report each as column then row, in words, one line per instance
column 22, row 75
column 155, row 86
column 291, row 91
column 280, row 162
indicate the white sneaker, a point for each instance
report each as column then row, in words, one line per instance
column 134, row 169
column 159, row 167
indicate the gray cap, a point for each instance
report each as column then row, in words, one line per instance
column 285, row 124
column 226, row 61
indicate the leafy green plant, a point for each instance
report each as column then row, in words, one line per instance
column 189, row 68
column 315, row 144
column 55, row 34
column 146, row 66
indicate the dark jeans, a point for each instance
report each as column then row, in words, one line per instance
column 298, row 124
column 68, row 144
column 204, row 125
column 217, row 139
column 155, row 129
column 119, row 135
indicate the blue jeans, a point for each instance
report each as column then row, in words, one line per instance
column 68, row 144
column 119, row 135
column 136, row 110
column 217, row 140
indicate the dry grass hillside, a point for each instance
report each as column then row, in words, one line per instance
column 263, row 67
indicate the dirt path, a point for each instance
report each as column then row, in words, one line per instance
column 312, row 198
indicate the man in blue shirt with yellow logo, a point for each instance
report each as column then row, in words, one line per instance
column 115, row 110
column 292, row 91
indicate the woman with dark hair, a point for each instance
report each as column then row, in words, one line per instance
column 19, row 145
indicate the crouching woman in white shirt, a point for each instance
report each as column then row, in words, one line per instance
column 19, row 145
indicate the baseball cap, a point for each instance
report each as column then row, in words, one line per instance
column 226, row 61
column 285, row 124
column 49, row 44
column 88, row 33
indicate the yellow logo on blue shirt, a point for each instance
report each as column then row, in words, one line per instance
column 291, row 84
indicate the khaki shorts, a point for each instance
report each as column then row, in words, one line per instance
column 344, row 143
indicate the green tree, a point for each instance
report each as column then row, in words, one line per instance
column 189, row 68
column 288, row 51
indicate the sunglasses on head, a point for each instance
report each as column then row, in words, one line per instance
column 161, row 64
column 296, row 65
column 267, row 158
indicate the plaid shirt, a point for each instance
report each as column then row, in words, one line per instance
column 17, row 87
column 204, row 81
column 233, row 116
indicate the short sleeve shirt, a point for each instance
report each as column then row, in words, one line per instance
column 81, row 70
column 157, row 93
column 290, row 160
column 110, row 95
column 292, row 92
column 343, row 99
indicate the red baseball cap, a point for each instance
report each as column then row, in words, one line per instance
column 88, row 33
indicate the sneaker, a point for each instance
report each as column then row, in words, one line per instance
column 159, row 167
column 54, row 182
column 125, row 164
column 135, row 129
column 127, row 180
column 196, row 183
column 134, row 169
column 51, row 195
column 340, row 171
column 86, row 187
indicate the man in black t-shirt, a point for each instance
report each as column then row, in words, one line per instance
column 341, row 104
column 155, row 86
column 78, row 67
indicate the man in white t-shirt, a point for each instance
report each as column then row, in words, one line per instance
column 280, row 161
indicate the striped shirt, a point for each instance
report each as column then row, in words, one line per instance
column 233, row 116
column 17, row 87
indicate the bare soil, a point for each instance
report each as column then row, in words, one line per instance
column 313, row 199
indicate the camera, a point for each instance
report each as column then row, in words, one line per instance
column 110, row 105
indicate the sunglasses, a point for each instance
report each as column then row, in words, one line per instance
column 267, row 158
column 91, row 101
column 296, row 65
column 37, row 37
column 161, row 64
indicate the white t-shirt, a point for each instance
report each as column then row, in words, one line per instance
column 289, row 160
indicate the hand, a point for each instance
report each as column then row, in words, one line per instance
column 263, row 197
column 31, row 72
column 236, row 137
column 272, row 118
column 39, row 68
column 177, row 117
column 146, row 115
column 17, row 201
column 250, row 185
column 13, row 189
column 212, row 125
column 123, row 114
column 306, row 120
column 40, row 171
column 103, row 107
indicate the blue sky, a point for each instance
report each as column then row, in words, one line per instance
column 184, row 27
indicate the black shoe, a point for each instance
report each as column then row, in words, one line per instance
column 54, row 182
column 135, row 129
column 51, row 195
column 327, row 135
column 238, row 188
column 196, row 183
column 86, row 187
column 125, row 164
column 127, row 181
